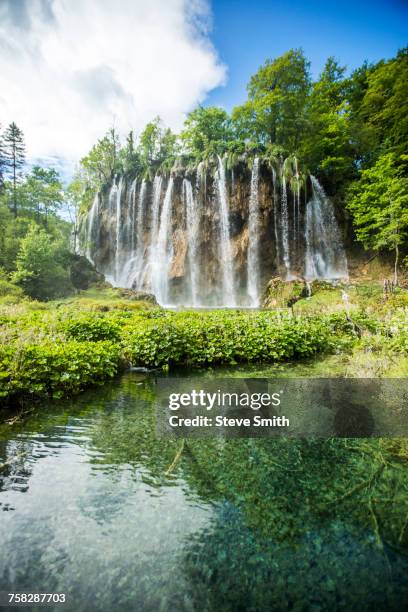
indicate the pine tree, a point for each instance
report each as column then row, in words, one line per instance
column 14, row 153
column 2, row 161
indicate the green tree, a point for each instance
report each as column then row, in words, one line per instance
column 42, row 192
column 277, row 94
column 2, row 160
column 207, row 131
column 14, row 155
column 384, row 106
column 379, row 205
column 39, row 271
column 157, row 147
column 327, row 144
column 129, row 157
column 102, row 161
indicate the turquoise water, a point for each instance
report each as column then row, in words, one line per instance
column 93, row 505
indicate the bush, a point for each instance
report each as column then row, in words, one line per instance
column 219, row 337
column 39, row 272
column 91, row 329
column 55, row 369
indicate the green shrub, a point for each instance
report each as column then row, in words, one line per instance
column 91, row 329
column 219, row 337
column 55, row 368
column 10, row 293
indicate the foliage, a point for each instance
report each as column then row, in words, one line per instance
column 93, row 329
column 207, row 132
column 219, row 337
column 379, row 203
column 157, row 148
column 55, row 368
column 39, row 271
column 277, row 95
column 14, row 158
column 102, row 161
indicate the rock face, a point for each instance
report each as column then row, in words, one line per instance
column 189, row 238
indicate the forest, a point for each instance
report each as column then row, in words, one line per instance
column 349, row 131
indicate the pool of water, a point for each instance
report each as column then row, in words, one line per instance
column 93, row 505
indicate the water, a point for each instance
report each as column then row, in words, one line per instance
column 192, row 227
column 119, row 229
column 152, row 262
column 285, row 227
column 90, row 507
column 226, row 262
column 164, row 250
column 128, row 238
column 325, row 255
column 253, row 279
column 275, row 217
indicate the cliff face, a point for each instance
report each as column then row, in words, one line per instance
column 169, row 236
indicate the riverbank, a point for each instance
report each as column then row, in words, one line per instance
column 57, row 349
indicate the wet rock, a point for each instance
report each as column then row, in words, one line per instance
column 136, row 296
column 282, row 294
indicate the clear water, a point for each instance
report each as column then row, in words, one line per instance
column 93, row 505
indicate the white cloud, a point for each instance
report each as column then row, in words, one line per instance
column 71, row 68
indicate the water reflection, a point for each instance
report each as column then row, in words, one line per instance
column 95, row 506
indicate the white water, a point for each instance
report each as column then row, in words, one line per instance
column 192, row 227
column 164, row 251
column 325, row 255
column 119, row 226
column 137, row 235
column 275, row 217
column 253, row 266
column 155, row 219
column 138, row 277
column 285, row 227
column 228, row 293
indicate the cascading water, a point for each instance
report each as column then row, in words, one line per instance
column 285, row 227
column 139, row 236
column 138, row 276
column 228, row 295
column 164, row 251
column 275, row 216
column 325, row 255
column 119, row 228
column 152, row 256
column 253, row 280
column 192, row 227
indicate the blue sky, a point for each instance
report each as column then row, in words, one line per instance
column 245, row 33
column 90, row 65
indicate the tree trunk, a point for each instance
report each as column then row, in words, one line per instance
column 396, row 265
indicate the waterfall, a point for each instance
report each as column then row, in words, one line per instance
column 297, row 198
column 325, row 255
column 275, row 217
column 253, row 264
column 133, row 269
column 138, row 276
column 132, row 215
column 152, row 260
column 118, row 241
column 141, row 234
column 92, row 216
column 285, row 227
column 161, row 265
column 192, row 227
column 228, row 297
